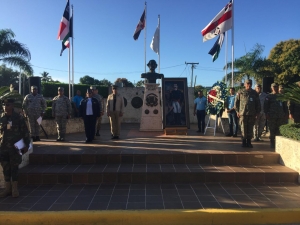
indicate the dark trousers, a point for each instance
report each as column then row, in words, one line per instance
column 233, row 120
column 177, row 118
column 89, row 127
column 201, row 120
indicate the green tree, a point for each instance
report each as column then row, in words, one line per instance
column 251, row 65
column 126, row 83
column 87, row 80
column 46, row 77
column 105, row 83
column 8, row 76
column 286, row 56
column 13, row 52
column 140, row 83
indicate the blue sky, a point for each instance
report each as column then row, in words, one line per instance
column 104, row 47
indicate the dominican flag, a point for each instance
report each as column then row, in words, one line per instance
column 221, row 23
column 217, row 47
column 65, row 29
column 141, row 25
column 155, row 41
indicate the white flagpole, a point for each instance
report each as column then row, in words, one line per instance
column 159, row 44
column 232, row 43
column 145, row 33
column 20, row 82
column 226, row 51
column 69, row 59
column 72, row 51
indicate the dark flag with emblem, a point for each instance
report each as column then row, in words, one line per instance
column 141, row 25
column 217, row 47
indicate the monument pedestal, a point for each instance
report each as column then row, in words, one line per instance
column 151, row 119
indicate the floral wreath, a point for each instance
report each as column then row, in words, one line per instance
column 218, row 91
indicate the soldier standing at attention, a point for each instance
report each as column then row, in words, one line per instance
column 100, row 99
column 260, row 121
column 276, row 112
column 12, row 129
column 115, row 110
column 34, row 106
column 247, row 106
column 61, row 111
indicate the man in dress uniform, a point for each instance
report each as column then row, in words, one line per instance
column 12, row 129
column 100, row 99
column 260, row 121
column 89, row 110
column 115, row 111
column 61, row 111
column 276, row 112
column 34, row 106
column 247, row 106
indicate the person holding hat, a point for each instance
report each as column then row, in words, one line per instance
column 248, row 107
column 61, row 111
column 115, row 110
column 13, row 128
column 100, row 99
column 260, row 121
column 34, row 106
column 89, row 111
column 276, row 112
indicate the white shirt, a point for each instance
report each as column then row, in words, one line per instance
column 89, row 107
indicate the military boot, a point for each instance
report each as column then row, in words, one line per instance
column 244, row 144
column 15, row 192
column 37, row 138
column 6, row 191
column 97, row 133
column 249, row 145
column 272, row 143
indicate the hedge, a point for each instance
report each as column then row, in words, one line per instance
column 48, row 114
column 291, row 131
column 49, row 89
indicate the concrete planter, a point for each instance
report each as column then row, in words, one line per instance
column 289, row 151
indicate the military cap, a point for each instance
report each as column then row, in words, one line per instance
column 8, row 100
column 274, row 85
column 93, row 87
column 258, row 85
column 33, row 87
column 114, row 86
column 281, row 86
column 60, row 88
column 248, row 81
column 90, row 91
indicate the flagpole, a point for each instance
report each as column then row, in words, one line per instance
column 159, row 44
column 232, row 43
column 69, row 58
column 72, row 51
column 145, row 33
column 226, row 51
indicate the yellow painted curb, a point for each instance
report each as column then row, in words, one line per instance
column 157, row 217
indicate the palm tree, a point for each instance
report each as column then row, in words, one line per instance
column 13, row 52
column 251, row 65
column 46, row 77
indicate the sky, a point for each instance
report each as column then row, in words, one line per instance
column 104, row 47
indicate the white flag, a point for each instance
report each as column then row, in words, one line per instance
column 155, row 41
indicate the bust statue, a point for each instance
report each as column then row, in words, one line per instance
column 151, row 76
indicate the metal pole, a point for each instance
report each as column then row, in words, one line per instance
column 69, row 63
column 72, row 51
column 20, row 79
column 226, row 50
column 145, row 33
column 232, row 43
column 159, row 44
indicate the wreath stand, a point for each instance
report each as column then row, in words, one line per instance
column 215, row 126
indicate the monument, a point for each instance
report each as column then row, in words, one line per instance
column 151, row 119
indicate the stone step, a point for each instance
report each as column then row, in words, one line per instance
column 233, row 158
column 155, row 173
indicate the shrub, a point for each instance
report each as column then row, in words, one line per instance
column 49, row 103
column 48, row 113
column 291, row 131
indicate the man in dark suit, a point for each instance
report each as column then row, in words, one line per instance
column 90, row 111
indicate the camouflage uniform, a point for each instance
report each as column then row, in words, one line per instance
column 276, row 112
column 34, row 106
column 61, row 109
column 247, row 105
column 260, row 121
column 294, row 110
column 12, row 129
column 100, row 100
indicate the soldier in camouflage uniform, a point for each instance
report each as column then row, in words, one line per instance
column 276, row 112
column 247, row 106
column 14, row 94
column 61, row 111
column 100, row 99
column 12, row 129
column 260, row 121
column 34, row 106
